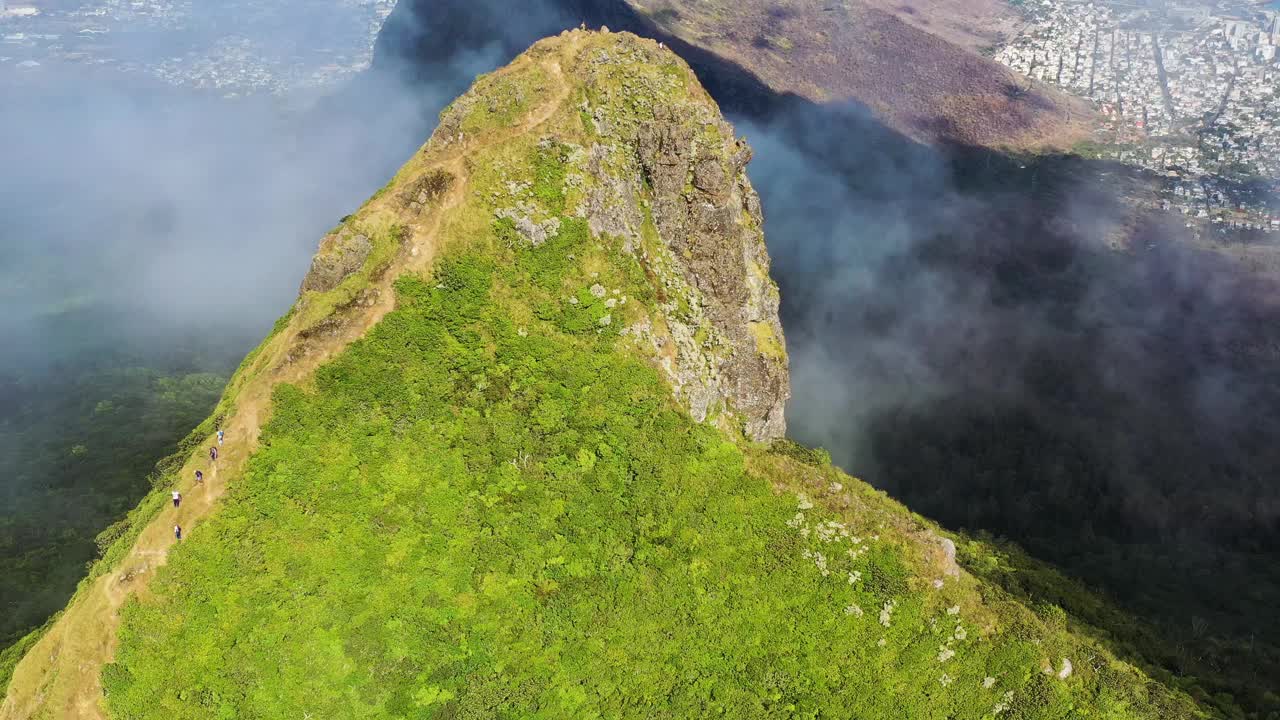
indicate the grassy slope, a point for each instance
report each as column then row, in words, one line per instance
column 56, row 669
column 461, row 519
column 489, row 506
column 117, row 542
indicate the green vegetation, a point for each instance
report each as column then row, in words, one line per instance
column 1185, row 611
column 1140, row 640
column 492, row 505
column 505, row 97
column 10, row 656
column 1094, row 150
column 549, row 172
column 386, row 240
column 78, row 453
column 767, row 340
column 816, row 457
column 470, row 518
column 779, row 42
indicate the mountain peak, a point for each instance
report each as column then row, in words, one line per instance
column 599, row 138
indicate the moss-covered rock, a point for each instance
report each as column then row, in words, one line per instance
column 668, row 175
column 341, row 254
column 640, row 151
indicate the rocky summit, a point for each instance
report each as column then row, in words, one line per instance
column 516, row 452
column 654, row 167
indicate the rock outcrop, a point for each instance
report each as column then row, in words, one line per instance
column 340, row 255
column 647, row 159
column 668, row 161
column 709, row 217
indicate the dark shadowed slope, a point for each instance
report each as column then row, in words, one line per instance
column 916, row 82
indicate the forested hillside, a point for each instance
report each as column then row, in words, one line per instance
column 78, row 442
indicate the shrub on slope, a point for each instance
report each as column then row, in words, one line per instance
column 467, row 517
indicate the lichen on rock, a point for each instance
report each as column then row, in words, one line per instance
column 341, row 254
column 521, row 216
column 668, row 175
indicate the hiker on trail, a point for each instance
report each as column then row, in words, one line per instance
column 199, row 477
column 219, row 437
column 213, row 453
column 177, row 498
column 177, row 532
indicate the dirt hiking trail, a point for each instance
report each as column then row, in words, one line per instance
column 60, row 675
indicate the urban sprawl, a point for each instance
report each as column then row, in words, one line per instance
column 257, row 47
column 1188, row 91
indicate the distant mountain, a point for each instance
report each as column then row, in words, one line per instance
column 915, row 66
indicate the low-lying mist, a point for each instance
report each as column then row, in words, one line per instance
column 172, row 211
column 151, row 237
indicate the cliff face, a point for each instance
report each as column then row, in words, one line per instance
column 651, row 165
column 666, row 174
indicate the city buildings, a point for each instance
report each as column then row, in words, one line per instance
column 231, row 47
column 1190, row 91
